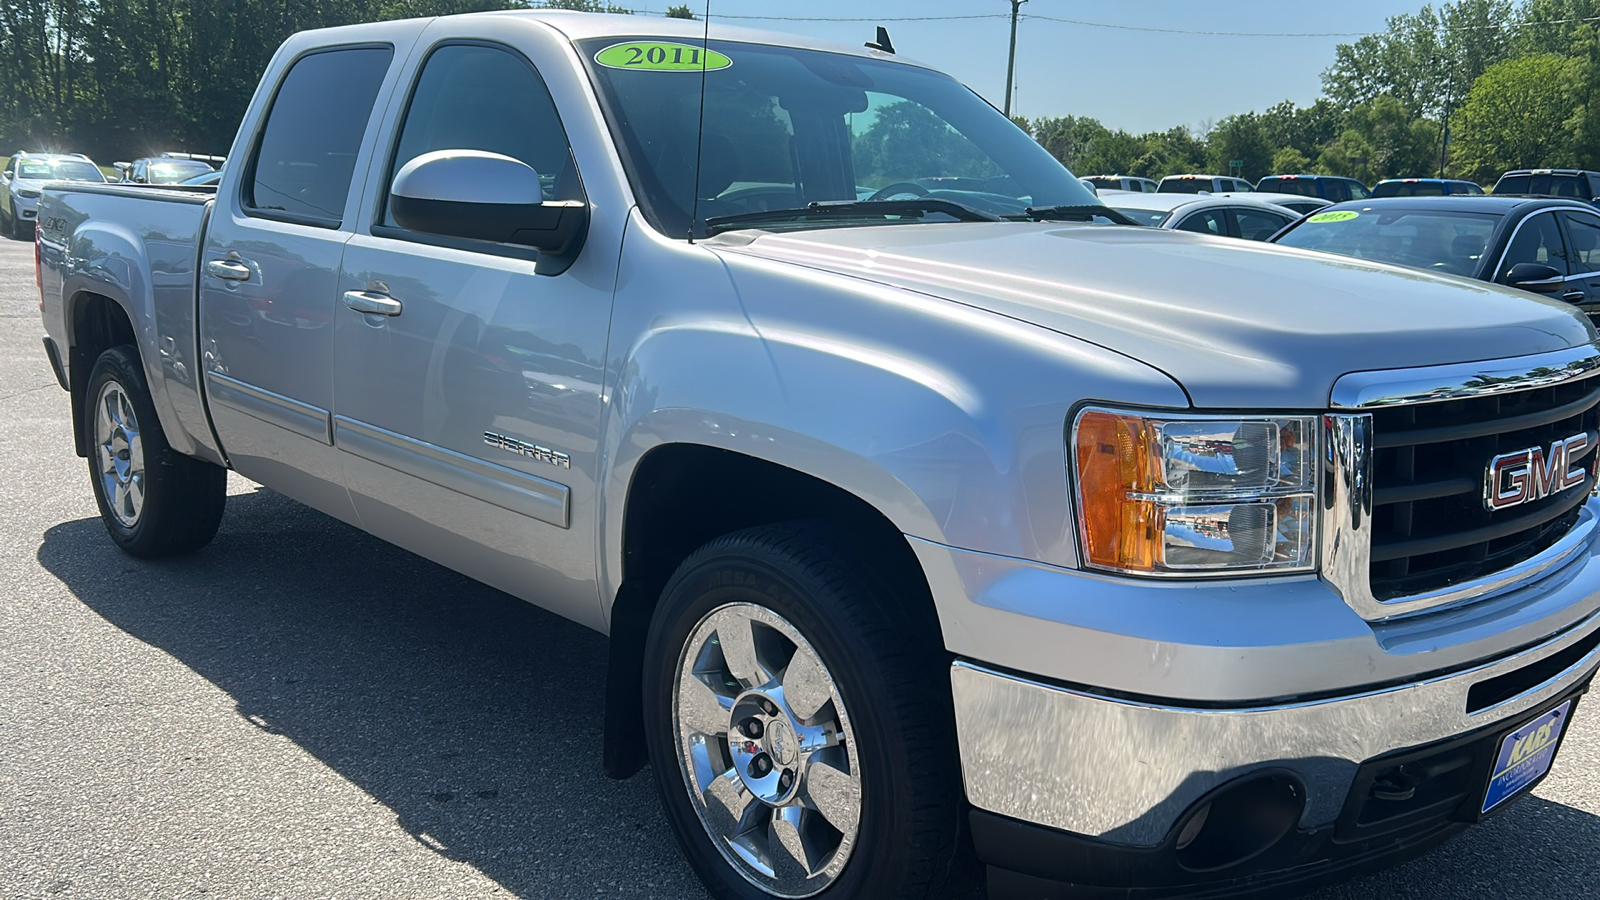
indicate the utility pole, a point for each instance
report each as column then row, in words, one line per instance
column 1011, row 61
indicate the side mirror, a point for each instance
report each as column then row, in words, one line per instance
column 1536, row 277
column 485, row 196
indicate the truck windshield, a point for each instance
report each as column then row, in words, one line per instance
column 175, row 172
column 59, row 170
column 787, row 127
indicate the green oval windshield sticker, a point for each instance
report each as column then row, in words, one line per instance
column 657, row 56
column 1342, row 215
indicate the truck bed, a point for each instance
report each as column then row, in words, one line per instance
column 139, row 246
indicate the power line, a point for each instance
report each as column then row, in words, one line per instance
column 1508, row 26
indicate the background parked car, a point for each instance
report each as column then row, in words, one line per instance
column 1577, row 184
column 1334, row 188
column 1424, row 187
column 1121, row 183
column 1547, row 246
column 1197, row 184
column 1301, row 205
column 1240, row 217
column 25, row 175
column 164, row 169
column 204, row 178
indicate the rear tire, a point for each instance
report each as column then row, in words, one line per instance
column 847, row 784
column 153, row 500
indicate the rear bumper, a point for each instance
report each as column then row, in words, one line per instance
column 1069, row 787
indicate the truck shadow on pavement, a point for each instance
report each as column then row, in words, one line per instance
column 476, row 718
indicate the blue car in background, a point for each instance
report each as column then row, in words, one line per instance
column 1424, row 187
column 1332, row 188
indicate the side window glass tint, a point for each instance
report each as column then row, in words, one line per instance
column 473, row 97
column 1584, row 232
column 302, row 167
column 1537, row 241
column 1257, row 224
column 1337, row 191
column 1205, row 222
column 1358, row 191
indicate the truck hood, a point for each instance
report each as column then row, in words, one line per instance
column 1236, row 323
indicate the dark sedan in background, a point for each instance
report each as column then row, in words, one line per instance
column 1424, row 187
column 1550, row 247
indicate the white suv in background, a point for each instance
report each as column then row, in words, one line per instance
column 25, row 175
column 1200, row 184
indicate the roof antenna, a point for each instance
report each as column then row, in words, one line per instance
column 882, row 43
column 700, row 125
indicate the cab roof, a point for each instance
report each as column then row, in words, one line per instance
column 1500, row 204
column 580, row 26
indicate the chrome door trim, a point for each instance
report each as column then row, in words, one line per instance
column 519, row 492
column 1435, row 384
column 275, row 409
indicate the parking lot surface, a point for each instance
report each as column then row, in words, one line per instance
column 303, row 711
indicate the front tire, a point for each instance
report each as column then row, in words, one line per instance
column 153, row 500
column 799, row 724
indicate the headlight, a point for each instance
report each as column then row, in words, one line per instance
column 1195, row 495
column 28, row 195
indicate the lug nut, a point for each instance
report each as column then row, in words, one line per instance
column 751, row 728
column 786, row 780
column 760, row 766
column 768, row 707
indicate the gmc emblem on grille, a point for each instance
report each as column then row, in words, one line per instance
column 1528, row 475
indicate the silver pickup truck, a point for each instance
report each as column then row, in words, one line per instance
column 930, row 516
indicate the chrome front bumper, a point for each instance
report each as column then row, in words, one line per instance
column 1125, row 771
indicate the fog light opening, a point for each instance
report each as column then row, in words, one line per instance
column 1239, row 821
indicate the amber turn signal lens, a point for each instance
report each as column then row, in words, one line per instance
column 1114, row 461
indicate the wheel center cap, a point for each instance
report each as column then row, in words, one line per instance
column 781, row 742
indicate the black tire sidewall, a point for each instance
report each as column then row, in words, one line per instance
column 180, row 510
column 715, row 580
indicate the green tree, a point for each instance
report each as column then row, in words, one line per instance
column 1513, row 118
column 907, row 141
column 680, row 12
column 1583, row 125
column 1427, row 60
column 1382, row 139
column 599, row 6
column 1240, row 137
column 1567, row 17
column 1289, row 161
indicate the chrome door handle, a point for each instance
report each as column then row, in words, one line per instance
column 370, row 302
column 1572, row 296
column 228, row 270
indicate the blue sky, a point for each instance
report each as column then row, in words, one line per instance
column 1140, row 81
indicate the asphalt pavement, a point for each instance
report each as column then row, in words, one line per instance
column 302, row 711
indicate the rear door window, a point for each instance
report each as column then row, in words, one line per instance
column 306, row 155
column 1583, row 230
column 1336, row 190
column 1207, row 221
column 1258, row 224
column 1538, row 240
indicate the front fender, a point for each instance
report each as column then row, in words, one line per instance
column 946, row 419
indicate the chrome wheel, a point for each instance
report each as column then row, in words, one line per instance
column 767, row 752
column 121, row 454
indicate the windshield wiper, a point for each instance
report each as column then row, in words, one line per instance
column 844, row 209
column 1079, row 213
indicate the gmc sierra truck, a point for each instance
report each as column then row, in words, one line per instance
column 931, row 513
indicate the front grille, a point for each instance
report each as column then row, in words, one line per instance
column 1430, row 529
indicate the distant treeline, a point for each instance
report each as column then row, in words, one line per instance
column 1517, row 83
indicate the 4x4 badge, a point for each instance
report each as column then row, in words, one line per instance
column 1527, row 475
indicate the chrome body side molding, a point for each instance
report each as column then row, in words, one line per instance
column 519, row 492
column 285, row 412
